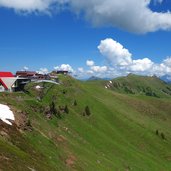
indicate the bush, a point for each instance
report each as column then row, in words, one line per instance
column 157, row 132
column 53, row 108
column 75, row 103
column 87, row 111
column 64, row 91
column 58, row 114
column 55, row 111
column 84, row 114
column 163, row 136
column 28, row 123
column 66, row 109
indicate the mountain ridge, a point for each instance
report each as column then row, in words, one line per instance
column 145, row 85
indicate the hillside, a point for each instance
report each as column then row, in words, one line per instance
column 134, row 84
column 84, row 126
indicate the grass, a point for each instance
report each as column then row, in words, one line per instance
column 120, row 133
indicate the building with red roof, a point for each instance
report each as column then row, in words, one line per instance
column 10, row 83
column 6, row 74
column 7, row 81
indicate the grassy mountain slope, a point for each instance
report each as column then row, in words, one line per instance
column 134, row 84
column 119, row 134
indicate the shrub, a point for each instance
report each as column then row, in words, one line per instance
column 64, row 91
column 58, row 114
column 75, row 103
column 87, row 111
column 157, row 132
column 84, row 114
column 53, row 109
column 28, row 123
column 66, row 109
column 163, row 136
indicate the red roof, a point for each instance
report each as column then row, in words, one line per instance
column 6, row 74
column 25, row 73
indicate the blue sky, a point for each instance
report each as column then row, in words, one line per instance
column 43, row 36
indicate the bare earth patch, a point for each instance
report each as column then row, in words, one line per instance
column 70, row 161
column 61, row 138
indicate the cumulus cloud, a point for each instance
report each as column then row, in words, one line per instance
column 167, row 61
column 89, row 63
column 64, row 67
column 25, row 68
column 115, row 52
column 81, row 69
column 141, row 65
column 99, row 68
column 118, row 62
column 29, row 5
column 122, row 62
column 43, row 71
column 131, row 15
column 95, row 68
column 120, row 57
column 90, row 72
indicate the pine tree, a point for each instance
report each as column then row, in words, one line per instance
column 87, row 111
column 53, row 108
column 75, row 103
column 163, row 136
column 66, row 109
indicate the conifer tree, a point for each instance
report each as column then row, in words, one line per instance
column 87, row 111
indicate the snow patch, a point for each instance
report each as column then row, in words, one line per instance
column 38, row 87
column 6, row 114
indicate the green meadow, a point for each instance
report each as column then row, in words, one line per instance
column 126, row 127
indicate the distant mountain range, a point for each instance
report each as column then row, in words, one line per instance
column 93, row 78
column 166, row 78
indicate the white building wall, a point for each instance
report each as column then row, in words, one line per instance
column 2, row 88
column 9, row 82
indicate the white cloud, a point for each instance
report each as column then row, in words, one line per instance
column 99, row 68
column 141, row 65
column 43, row 71
column 95, row 69
column 64, row 67
column 115, row 53
column 122, row 62
column 160, row 69
column 25, row 68
column 90, row 63
column 90, row 72
column 27, row 5
column 81, row 69
column 33, row 5
column 167, row 61
column 131, row 15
